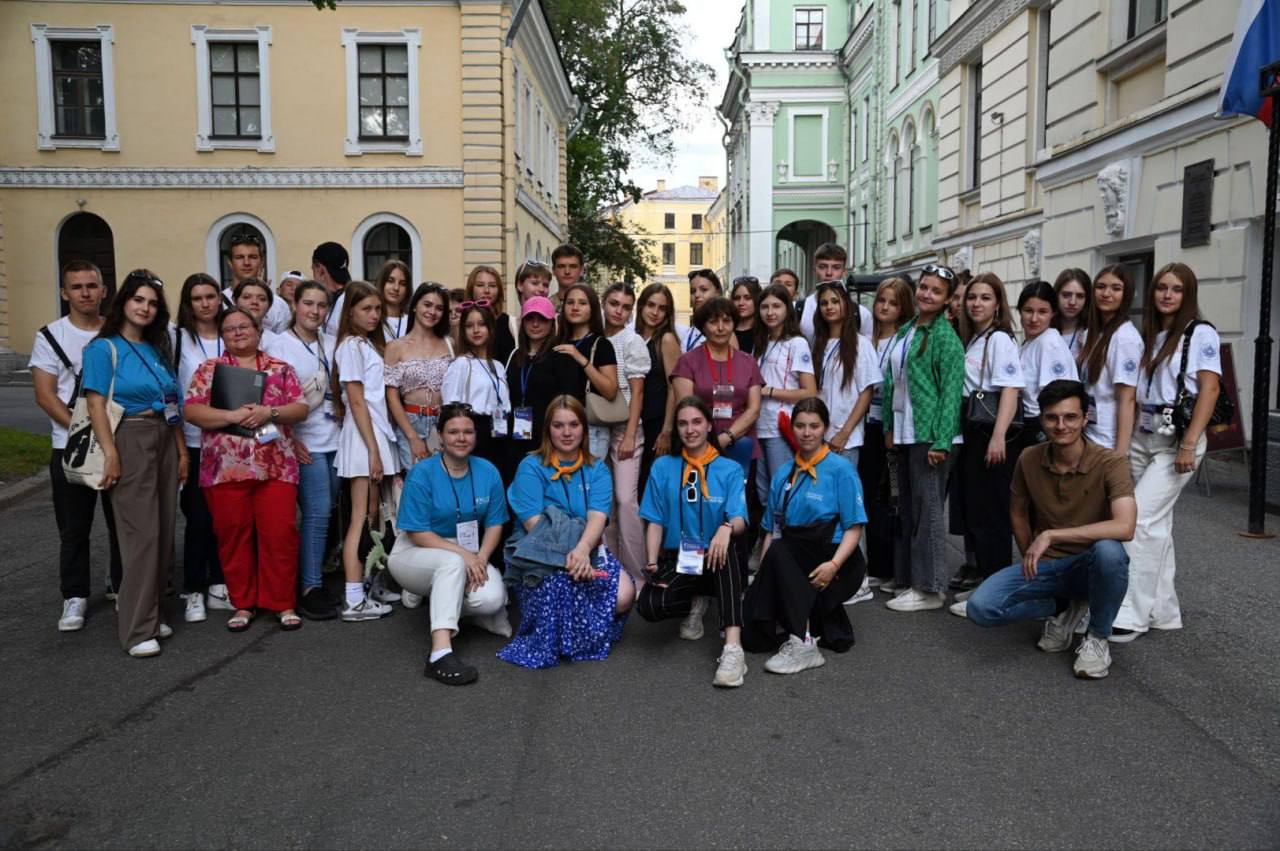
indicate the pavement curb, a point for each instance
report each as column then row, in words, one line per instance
column 19, row 491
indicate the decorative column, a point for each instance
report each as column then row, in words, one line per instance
column 760, row 237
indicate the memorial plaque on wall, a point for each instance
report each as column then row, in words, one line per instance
column 1197, row 203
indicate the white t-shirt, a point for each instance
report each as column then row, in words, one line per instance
column 317, row 432
column 841, row 400
column 394, row 329
column 1002, row 368
column 1075, row 340
column 1161, row 388
column 1044, row 359
column 482, row 386
column 904, row 427
column 633, row 359
column 278, row 315
column 690, row 338
column 865, row 323
column 874, row 413
column 44, row 358
column 358, row 361
column 192, row 351
column 334, row 316
column 781, row 365
column 1120, row 367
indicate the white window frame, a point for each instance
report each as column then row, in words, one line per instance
column 213, row 257
column 529, row 146
column 824, row 113
column 866, row 127
column 352, row 39
column 202, row 36
column 362, row 231
column 549, row 183
column 46, row 126
column 517, row 119
column 795, row 20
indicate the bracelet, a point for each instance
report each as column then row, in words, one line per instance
column 1188, row 448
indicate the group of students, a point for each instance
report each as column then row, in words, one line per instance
column 592, row 456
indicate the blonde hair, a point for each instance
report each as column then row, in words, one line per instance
column 546, row 449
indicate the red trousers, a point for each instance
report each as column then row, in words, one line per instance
column 255, row 524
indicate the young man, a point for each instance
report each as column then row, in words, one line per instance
column 568, row 263
column 532, row 278
column 329, row 267
column 55, row 368
column 829, row 263
column 247, row 261
column 1072, row 507
column 788, row 278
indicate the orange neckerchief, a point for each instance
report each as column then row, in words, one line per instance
column 810, row 467
column 701, row 463
column 567, row 472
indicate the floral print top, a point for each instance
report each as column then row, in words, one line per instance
column 231, row 458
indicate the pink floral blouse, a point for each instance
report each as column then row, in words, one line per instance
column 231, row 458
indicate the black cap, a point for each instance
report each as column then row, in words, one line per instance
column 333, row 257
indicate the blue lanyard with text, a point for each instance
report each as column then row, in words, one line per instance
column 691, row 341
column 161, row 383
column 324, row 362
column 200, row 342
column 457, row 511
column 827, row 360
column 489, row 374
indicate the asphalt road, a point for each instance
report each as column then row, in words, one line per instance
column 929, row 733
column 18, row 409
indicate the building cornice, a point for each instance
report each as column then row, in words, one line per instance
column 967, row 33
column 429, row 177
column 860, row 38
column 534, row 36
column 791, row 59
column 912, row 93
column 990, row 231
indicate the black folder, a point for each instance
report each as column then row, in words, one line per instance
column 234, row 387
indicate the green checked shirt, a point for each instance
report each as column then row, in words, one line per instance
column 935, row 378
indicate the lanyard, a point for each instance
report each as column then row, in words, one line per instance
column 764, row 357
column 393, row 326
column 1072, row 344
column 489, row 374
column 525, row 372
column 318, row 355
column 690, row 341
column 728, row 367
column 906, row 347
column 161, row 383
column 200, row 342
column 457, row 513
column 789, row 491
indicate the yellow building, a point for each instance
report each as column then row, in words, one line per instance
column 145, row 134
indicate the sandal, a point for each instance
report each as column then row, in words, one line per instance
column 449, row 670
column 239, row 622
column 289, row 621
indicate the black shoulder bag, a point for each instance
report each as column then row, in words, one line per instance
column 1184, row 404
column 982, row 407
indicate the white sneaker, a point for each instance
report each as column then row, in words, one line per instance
column 376, row 589
column 410, row 600
column 72, row 614
column 1060, row 629
column 220, row 598
column 195, row 612
column 876, row 581
column 691, row 626
column 959, row 608
column 732, row 667
column 165, row 631
column 366, row 610
column 863, row 594
column 795, row 656
column 498, row 623
column 912, row 600
column 888, row 586
column 143, row 649
column 961, row 596
column 1093, row 658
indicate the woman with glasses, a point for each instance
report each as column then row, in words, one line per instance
column 745, row 296
column 584, row 357
column 484, row 287
column 251, row 481
column 810, row 563
column 786, row 366
column 923, row 391
column 655, row 324
column 575, row 612
column 255, row 296
column 532, row 381
column 416, row 365
column 694, row 503
column 1073, row 288
column 476, row 379
column 1110, row 360
column 144, row 459
column 704, row 285
column 393, row 285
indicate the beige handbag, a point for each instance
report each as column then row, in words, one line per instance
column 83, row 461
column 601, row 411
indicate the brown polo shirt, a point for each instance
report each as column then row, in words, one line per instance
column 1075, row 498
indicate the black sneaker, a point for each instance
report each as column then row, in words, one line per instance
column 315, row 605
column 967, row 578
column 450, row 670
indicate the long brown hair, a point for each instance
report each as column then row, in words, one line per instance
column 1081, row 277
column 354, row 293
column 1152, row 324
column 906, row 300
column 1002, row 321
column 384, row 275
column 500, row 303
column 790, row 322
column 848, row 336
column 668, row 324
column 1099, row 330
column 463, row 346
column 546, row 449
column 157, row 331
column 595, row 325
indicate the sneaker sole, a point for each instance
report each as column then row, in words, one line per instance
column 821, row 660
column 1090, row 675
column 859, row 598
column 718, row 684
column 200, row 619
column 67, row 627
column 1123, row 639
column 356, row 618
column 918, row 607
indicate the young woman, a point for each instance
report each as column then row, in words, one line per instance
column 1073, row 287
column 847, row 369
column 745, row 296
column 694, row 503
column 255, row 296
column 811, row 563
column 923, row 390
column 1110, row 360
column 625, row 535
column 393, row 285
column 416, row 364
column 311, row 354
column 1162, row 463
column 582, row 355
column 450, row 520
column 484, row 284
column 533, row 278
column 199, row 308
column 787, row 369
column 656, row 326
column 366, row 443
column 894, row 307
column 251, row 483
column 704, row 285
column 475, row 378
column 144, row 459
column 980, row 483
column 532, row 382
column 574, row 613
column 1045, row 355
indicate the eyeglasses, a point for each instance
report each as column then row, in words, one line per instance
column 144, row 277
column 700, row 273
column 938, row 272
column 482, row 303
column 691, row 487
column 746, row 279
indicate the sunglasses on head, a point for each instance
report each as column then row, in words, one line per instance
column 938, row 272
column 831, row 285
column 145, row 278
column 746, row 279
column 482, row 303
column 536, row 264
column 700, row 273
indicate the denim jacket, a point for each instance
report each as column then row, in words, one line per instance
column 533, row 555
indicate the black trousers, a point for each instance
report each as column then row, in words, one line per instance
column 979, row 497
column 875, row 487
column 675, row 600
column 201, row 566
column 651, row 427
column 73, row 509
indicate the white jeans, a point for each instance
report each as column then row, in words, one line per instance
column 442, row 576
column 1151, row 602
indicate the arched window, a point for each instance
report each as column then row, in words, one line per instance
column 528, row 249
column 217, row 246
column 239, row 231
column 912, row 151
column 895, row 167
column 84, row 236
column 382, row 237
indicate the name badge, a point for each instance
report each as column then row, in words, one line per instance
column 1091, row 413
column 690, row 560
column 500, row 424
column 900, row 399
column 327, row 406
column 1147, row 419
column 468, row 534
column 171, row 415
column 268, row 433
column 873, row 412
column 722, row 402
column 522, row 425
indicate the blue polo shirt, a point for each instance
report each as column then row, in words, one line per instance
column 142, row 376
column 434, row 501
column 665, row 501
column 836, row 494
column 531, row 491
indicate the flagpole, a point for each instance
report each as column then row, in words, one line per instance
column 1269, row 87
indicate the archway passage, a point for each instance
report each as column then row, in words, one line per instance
column 383, row 242
column 235, row 229
column 85, row 236
column 796, row 245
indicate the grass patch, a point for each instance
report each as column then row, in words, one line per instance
column 22, row 454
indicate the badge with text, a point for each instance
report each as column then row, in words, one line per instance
column 500, row 424
column 692, row 554
column 328, row 407
column 468, row 534
column 722, row 402
column 171, row 413
column 522, row 427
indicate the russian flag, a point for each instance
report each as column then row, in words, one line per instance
column 1256, row 44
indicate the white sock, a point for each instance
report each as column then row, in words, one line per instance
column 355, row 593
column 437, row 655
column 808, row 640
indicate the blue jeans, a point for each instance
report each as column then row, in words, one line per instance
column 850, row 454
column 317, row 495
column 1100, row 573
column 774, row 452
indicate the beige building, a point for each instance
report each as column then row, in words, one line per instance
column 145, row 134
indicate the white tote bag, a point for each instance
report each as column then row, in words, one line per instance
column 83, row 460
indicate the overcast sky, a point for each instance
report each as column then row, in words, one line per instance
column 709, row 29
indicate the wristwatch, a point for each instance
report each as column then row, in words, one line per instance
column 275, row 412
